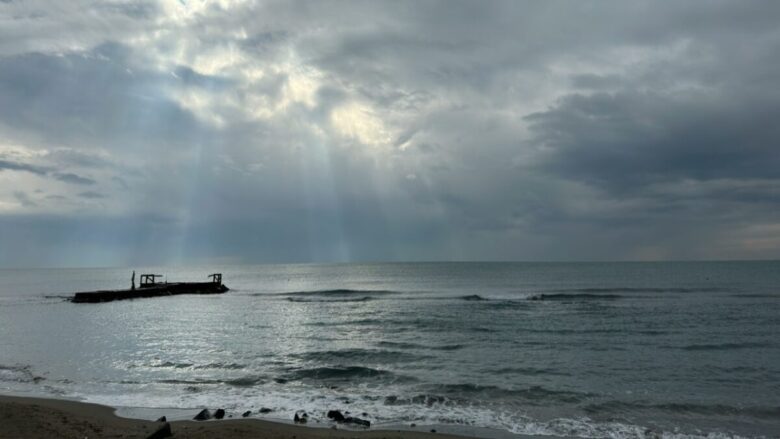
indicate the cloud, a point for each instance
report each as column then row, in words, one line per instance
column 625, row 140
column 74, row 179
column 298, row 131
column 15, row 166
column 91, row 195
column 24, row 199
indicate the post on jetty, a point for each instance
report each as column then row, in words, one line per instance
column 216, row 278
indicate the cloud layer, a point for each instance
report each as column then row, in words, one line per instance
column 188, row 131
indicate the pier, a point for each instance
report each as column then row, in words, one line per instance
column 149, row 287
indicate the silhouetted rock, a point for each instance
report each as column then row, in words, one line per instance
column 302, row 418
column 162, row 432
column 161, row 419
column 336, row 416
column 433, row 430
column 219, row 414
column 357, row 421
column 204, row 415
column 265, row 410
column 246, row 413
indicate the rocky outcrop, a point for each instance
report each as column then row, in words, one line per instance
column 336, row 416
column 357, row 421
column 219, row 414
column 204, row 415
column 162, row 432
column 339, row 417
column 301, row 417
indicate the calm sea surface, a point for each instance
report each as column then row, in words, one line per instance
column 623, row 350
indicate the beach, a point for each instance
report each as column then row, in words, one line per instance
column 43, row 418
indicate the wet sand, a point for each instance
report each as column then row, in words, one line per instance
column 24, row 417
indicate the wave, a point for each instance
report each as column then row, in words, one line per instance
column 357, row 322
column 757, row 296
column 192, row 381
column 341, row 292
column 400, row 345
column 244, row 381
column 404, row 345
column 616, row 331
column 221, row 366
column 448, row 347
column 530, row 371
column 596, row 290
column 473, row 297
column 170, row 364
column 343, row 373
column 19, row 374
column 531, row 395
column 307, row 300
column 611, row 407
column 583, row 296
column 247, row 381
column 724, row 346
column 359, row 356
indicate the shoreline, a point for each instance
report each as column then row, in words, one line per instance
column 36, row 417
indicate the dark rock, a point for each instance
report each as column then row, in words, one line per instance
column 219, row 414
column 204, row 415
column 161, row 419
column 247, row 413
column 336, row 416
column 302, row 418
column 162, row 432
column 265, row 410
column 357, row 421
column 433, row 430
column 413, row 425
column 364, row 414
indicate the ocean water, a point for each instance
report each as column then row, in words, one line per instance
column 621, row 350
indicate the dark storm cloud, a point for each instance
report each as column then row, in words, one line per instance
column 626, row 140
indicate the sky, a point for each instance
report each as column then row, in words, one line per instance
column 194, row 132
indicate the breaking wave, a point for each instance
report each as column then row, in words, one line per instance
column 613, row 407
column 19, row 374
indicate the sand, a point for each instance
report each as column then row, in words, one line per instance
column 23, row 417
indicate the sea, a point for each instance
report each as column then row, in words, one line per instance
column 501, row 350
